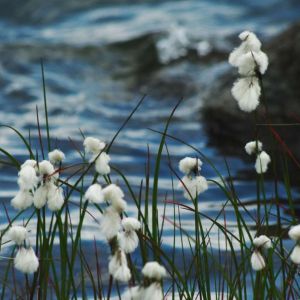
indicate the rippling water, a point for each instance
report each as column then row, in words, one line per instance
column 100, row 58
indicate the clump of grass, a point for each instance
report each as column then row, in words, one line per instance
column 237, row 264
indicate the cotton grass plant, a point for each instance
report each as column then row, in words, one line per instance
column 245, row 265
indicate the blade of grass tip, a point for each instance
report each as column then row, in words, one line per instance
column 156, row 177
column 39, row 132
column 27, row 145
column 125, row 123
column 11, row 157
column 45, row 105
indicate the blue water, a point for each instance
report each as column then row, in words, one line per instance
column 100, row 58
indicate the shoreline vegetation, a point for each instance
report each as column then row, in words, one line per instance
column 251, row 264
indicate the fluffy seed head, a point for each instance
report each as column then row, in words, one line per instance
column 251, row 62
column 294, row 233
column 253, row 147
column 29, row 162
column 257, row 261
column 18, row 234
column 262, row 241
column 26, row 261
column 192, row 187
column 22, row 200
column 246, row 91
column 114, row 195
column 190, row 165
column 46, row 168
column 40, row 196
column 128, row 241
column 110, row 223
column 118, row 267
column 295, row 255
column 55, row 198
column 262, row 161
column 102, row 164
column 133, row 293
column 93, row 145
column 130, row 224
column 153, row 270
column 27, row 178
column 94, row 193
column 56, row 156
column 153, row 291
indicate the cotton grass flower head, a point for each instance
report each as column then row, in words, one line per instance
column 250, row 42
column 118, row 267
column 189, row 165
column 294, row 234
column 153, row 291
column 114, row 196
column 246, row 91
column 102, row 164
column 257, row 261
column 133, row 293
column 252, row 62
column 262, row 161
column 94, row 194
column 18, row 234
column 27, row 178
column 46, row 168
column 110, row 223
column 93, row 145
column 26, row 260
column 55, row 198
column 262, row 241
column 193, row 186
column 153, row 270
column 22, row 200
column 40, row 196
column 29, row 162
column 253, row 147
column 56, row 156
column 128, row 238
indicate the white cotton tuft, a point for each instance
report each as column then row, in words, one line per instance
column 153, row 291
column 114, row 195
column 94, row 193
column 250, row 42
column 26, row 261
column 110, row 223
column 262, row 241
column 118, row 267
column 262, row 161
column 294, row 233
column 257, row 261
column 29, row 162
column 193, row 186
column 18, row 234
column 56, row 156
column 253, row 147
column 251, row 62
column 40, row 196
column 128, row 241
column 153, row 270
column 46, row 168
column 22, row 200
column 295, row 255
column 102, row 164
column 93, row 145
column 190, row 164
column 55, row 198
column 133, row 293
column 246, row 91
column 27, row 178
column 130, row 224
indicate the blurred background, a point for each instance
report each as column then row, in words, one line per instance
column 100, row 57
